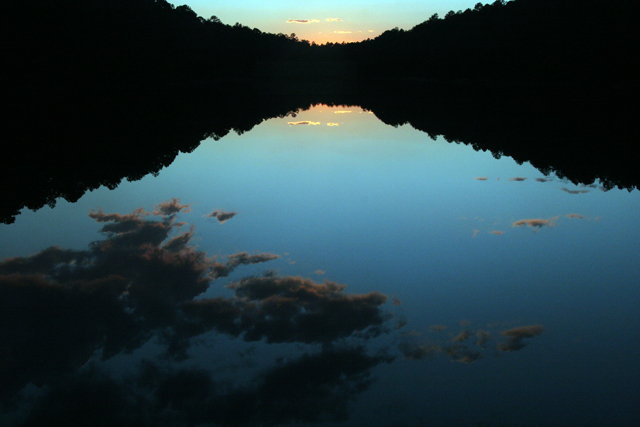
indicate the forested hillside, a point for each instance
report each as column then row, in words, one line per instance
column 519, row 40
column 153, row 40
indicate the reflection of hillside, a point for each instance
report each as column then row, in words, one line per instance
column 65, row 147
column 580, row 133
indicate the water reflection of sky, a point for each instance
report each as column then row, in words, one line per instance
column 463, row 245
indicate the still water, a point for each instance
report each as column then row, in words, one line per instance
column 326, row 269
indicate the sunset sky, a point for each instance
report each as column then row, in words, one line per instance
column 326, row 21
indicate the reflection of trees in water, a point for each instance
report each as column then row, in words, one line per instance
column 582, row 136
column 101, row 138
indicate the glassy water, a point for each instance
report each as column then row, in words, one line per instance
column 327, row 269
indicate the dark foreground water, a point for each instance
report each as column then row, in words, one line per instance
column 326, row 269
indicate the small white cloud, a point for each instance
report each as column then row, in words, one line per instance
column 302, row 21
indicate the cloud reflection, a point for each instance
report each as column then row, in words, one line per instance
column 303, row 122
column 460, row 348
column 536, row 223
column 221, row 216
column 566, row 190
column 62, row 308
column 64, row 312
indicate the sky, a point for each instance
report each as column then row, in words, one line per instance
column 326, row 21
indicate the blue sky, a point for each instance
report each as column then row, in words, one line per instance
column 329, row 20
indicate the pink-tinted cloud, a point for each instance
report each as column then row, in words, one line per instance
column 576, row 216
column 536, row 223
column 303, row 122
column 302, row 21
column 516, row 335
column 566, row 190
column 221, row 216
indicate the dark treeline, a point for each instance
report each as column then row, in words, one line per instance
column 146, row 41
column 96, row 91
column 518, row 41
column 138, row 41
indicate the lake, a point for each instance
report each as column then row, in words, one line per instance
column 326, row 269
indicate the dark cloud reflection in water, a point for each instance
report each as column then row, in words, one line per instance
column 65, row 315
column 64, row 312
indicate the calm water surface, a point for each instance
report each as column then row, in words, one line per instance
column 479, row 292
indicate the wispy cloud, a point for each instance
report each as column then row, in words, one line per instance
column 221, row 216
column 302, row 21
column 517, row 179
column 536, row 223
column 566, row 190
column 342, row 112
column 303, row 122
column 333, row 124
column 342, row 32
column 334, row 19
column 516, row 335
column 482, row 178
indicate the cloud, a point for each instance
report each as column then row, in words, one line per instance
column 221, row 216
column 304, row 122
column 302, row 21
column 412, row 351
column 482, row 337
column 517, row 178
column 475, row 233
column 334, row 19
column 481, row 178
column 295, row 309
column 319, row 272
column 575, row 216
column 516, row 335
column 311, row 388
column 544, row 179
column 333, row 124
column 342, row 111
column 497, row 232
column 461, row 348
column 462, row 336
column 566, row 190
column 138, row 283
column 171, row 207
column 536, row 223
column 438, row 328
column 342, row 32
